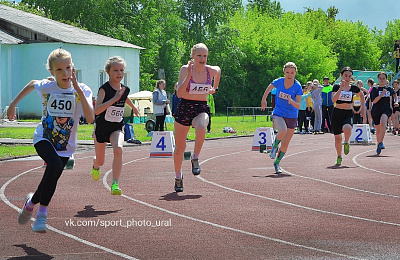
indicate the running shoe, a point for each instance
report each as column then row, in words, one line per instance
column 95, row 174
column 40, row 224
column 338, row 161
column 278, row 168
column 379, row 149
column 25, row 215
column 273, row 152
column 195, row 167
column 346, row 148
column 179, row 185
column 381, row 145
column 115, row 190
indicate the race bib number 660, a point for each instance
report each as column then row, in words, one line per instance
column 61, row 105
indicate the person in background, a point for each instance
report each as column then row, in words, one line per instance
column 302, row 119
column 175, row 100
column 160, row 104
column 288, row 97
column 316, row 98
column 210, row 102
column 310, row 116
column 396, row 52
column 327, row 105
column 368, row 105
column 396, row 110
column 381, row 109
column 357, row 108
column 55, row 138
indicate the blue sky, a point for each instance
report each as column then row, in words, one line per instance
column 374, row 13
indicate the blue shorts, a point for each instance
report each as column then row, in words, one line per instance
column 189, row 109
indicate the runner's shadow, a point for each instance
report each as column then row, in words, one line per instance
column 173, row 196
column 90, row 212
column 339, row 167
column 377, row 155
column 32, row 253
column 280, row 175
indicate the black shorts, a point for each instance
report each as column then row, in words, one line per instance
column 376, row 114
column 341, row 117
column 187, row 110
column 104, row 132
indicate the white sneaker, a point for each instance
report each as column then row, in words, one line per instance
column 25, row 215
column 40, row 224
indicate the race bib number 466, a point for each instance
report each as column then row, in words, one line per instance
column 61, row 105
column 114, row 114
column 196, row 88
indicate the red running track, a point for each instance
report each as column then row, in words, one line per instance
column 236, row 209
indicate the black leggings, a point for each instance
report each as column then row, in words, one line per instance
column 54, row 169
column 160, row 121
column 302, row 120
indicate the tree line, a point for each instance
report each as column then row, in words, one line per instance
column 250, row 44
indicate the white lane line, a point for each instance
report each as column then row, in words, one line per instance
column 221, row 226
column 292, row 204
column 370, row 169
column 335, row 184
column 6, row 201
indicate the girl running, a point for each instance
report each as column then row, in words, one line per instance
column 109, row 110
column 343, row 94
column 63, row 102
column 284, row 116
column 195, row 83
column 381, row 109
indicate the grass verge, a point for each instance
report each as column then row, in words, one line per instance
column 242, row 126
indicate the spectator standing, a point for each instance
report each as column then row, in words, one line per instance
column 327, row 105
column 160, row 105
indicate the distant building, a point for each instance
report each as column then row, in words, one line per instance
column 26, row 40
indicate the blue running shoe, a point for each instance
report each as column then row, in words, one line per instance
column 277, row 168
column 378, row 149
column 273, row 152
column 381, row 145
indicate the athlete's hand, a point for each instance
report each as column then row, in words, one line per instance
column 119, row 93
column 11, row 113
column 263, row 105
column 74, row 80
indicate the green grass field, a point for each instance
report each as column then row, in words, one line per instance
column 242, row 126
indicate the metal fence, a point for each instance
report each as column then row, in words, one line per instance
column 248, row 112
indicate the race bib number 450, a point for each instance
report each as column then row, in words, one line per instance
column 61, row 105
column 114, row 114
column 196, row 88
